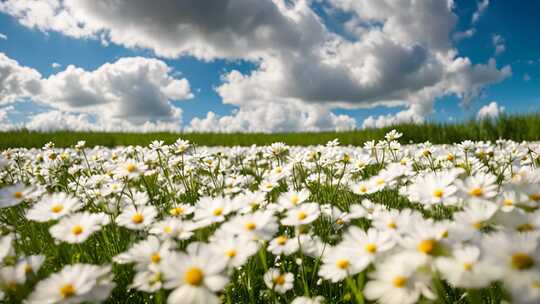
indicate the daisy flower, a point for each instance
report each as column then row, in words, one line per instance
column 236, row 251
column 144, row 253
column 53, row 207
column 130, row 169
column 367, row 245
column 291, row 199
column 398, row 281
column 301, row 215
column 13, row 195
column 74, row 284
column 479, row 187
column 172, row 228
column 136, row 218
column 283, row 245
column 78, row 227
column 195, row 277
column 260, row 225
column 338, row 263
column 212, row 210
column 181, row 210
column 517, row 256
column 466, row 269
column 277, row 281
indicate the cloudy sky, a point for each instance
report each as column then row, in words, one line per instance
column 264, row 65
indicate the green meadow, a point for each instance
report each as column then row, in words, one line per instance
column 518, row 128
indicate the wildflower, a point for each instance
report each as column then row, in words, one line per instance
column 195, row 277
column 235, row 250
column 277, row 281
column 74, row 284
column 13, row 195
column 144, row 253
column 398, row 281
column 283, row 245
column 53, row 207
column 466, row 269
column 136, row 218
column 76, row 228
column 301, row 215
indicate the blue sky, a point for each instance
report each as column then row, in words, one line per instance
column 38, row 44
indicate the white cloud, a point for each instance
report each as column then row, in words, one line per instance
column 131, row 93
column 398, row 53
column 498, row 43
column 482, row 6
column 55, row 65
column 490, row 111
column 16, row 81
column 135, row 89
column 465, row 34
column 60, row 120
column 3, row 36
column 274, row 118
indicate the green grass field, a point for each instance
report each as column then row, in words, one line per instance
column 518, row 128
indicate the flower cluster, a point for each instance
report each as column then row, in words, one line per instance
column 385, row 223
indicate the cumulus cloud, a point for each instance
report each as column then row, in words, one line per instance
column 55, row 120
column 397, row 53
column 133, row 92
column 136, row 89
column 3, row 36
column 55, row 65
column 480, row 9
column 490, row 111
column 16, row 81
column 271, row 118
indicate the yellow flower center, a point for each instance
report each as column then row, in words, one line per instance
column 340, row 221
column 67, row 290
column 450, row 157
column 281, row 240
column 295, row 199
column 379, row 181
column 194, row 276
column 478, row 225
column 279, row 280
column 362, row 189
column 525, row 227
column 391, row 225
column 231, row 253
column 522, row 261
column 371, row 248
column 476, row 192
column 535, row 197
column 508, row 202
column 18, row 194
column 438, row 193
column 137, row 218
column 250, row 226
column 342, row 263
column 131, row 168
column 399, row 281
column 167, row 229
column 176, row 211
column 56, row 208
column 77, row 229
column 218, row 211
column 302, row 215
column 467, row 266
column 427, row 246
column 155, row 258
